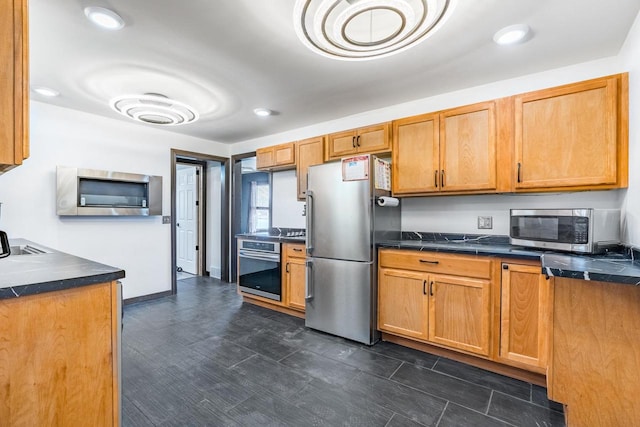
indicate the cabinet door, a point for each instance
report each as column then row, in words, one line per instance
column 14, row 84
column 284, row 154
column 403, row 303
column 264, row 158
column 524, row 315
column 468, row 148
column 567, row 136
column 374, row 139
column 341, row 144
column 296, row 270
column 415, row 155
column 309, row 152
column 459, row 313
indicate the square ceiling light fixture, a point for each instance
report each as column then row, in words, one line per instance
column 367, row 29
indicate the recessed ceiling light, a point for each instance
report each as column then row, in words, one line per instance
column 262, row 112
column 45, row 91
column 155, row 109
column 360, row 30
column 512, row 34
column 105, row 18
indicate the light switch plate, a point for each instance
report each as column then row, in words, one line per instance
column 166, row 220
column 485, row 222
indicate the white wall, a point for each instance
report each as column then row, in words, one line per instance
column 459, row 213
column 59, row 136
column 286, row 210
column 631, row 207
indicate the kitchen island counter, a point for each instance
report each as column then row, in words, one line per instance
column 52, row 270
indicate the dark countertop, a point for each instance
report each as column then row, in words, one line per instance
column 22, row 275
column 622, row 266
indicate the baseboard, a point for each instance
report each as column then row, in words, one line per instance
column 215, row 272
column 149, row 297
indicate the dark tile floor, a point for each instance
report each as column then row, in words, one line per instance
column 203, row 357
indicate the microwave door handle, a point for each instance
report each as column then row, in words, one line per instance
column 310, row 230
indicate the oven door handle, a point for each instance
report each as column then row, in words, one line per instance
column 259, row 256
column 308, row 293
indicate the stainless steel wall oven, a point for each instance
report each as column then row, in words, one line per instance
column 259, row 271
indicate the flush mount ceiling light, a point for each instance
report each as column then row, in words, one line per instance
column 512, row 34
column 45, row 91
column 367, row 29
column 104, row 18
column 154, row 108
column 262, row 112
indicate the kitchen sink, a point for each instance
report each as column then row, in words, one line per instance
column 27, row 250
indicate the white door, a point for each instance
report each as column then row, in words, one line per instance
column 187, row 218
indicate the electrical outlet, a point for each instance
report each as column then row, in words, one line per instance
column 485, row 222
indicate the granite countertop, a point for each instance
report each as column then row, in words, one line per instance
column 620, row 266
column 22, row 275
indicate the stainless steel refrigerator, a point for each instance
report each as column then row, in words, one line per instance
column 344, row 222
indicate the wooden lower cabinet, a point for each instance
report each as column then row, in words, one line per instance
column 525, row 316
column 447, row 310
column 59, row 358
column 294, row 276
column 460, row 313
column 403, row 303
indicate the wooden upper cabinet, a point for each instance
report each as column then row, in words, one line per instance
column 468, row 148
column 276, row 157
column 14, row 84
column 573, row 136
column 309, row 152
column 460, row 313
column 415, row 154
column 525, row 317
column 451, row 151
column 370, row 139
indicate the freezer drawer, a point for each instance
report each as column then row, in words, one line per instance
column 340, row 299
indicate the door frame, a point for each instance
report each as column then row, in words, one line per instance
column 181, row 156
column 200, row 190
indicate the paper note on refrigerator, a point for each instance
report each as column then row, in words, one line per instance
column 355, row 168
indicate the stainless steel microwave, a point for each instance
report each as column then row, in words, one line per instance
column 575, row 230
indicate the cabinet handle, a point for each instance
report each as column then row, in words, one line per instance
column 505, row 266
column 431, row 288
column 297, row 249
column 358, row 140
column 426, row 261
column 519, row 166
column 353, row 141
column 424, row 287
column 435, row 179
column 287, row 268
column 442, row 179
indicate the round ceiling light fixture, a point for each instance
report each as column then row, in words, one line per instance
column 45, row 91
column 367, row 29
column 512, row 34
column 104, row 18
column 155, row 109
column 262, row 112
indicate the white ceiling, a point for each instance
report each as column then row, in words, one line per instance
column 227, row 57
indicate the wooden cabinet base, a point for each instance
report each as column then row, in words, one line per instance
column 263, row 303
column 59, row 358
column 596, row 352
column 489, row 365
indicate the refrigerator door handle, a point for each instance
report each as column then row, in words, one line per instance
column 308, row 293
column 309, row 222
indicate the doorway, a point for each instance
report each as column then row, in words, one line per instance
column 199, row 216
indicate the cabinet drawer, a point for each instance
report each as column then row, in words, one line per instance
column 293, row 250
column 435, row 262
